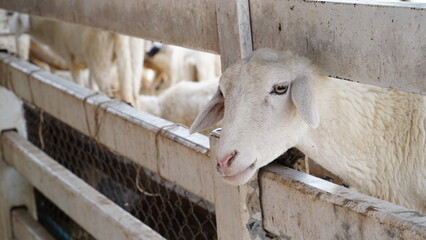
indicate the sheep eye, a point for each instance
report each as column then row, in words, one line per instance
column 280, row 89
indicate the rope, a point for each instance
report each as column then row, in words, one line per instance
column 30, row 74
column 140, row 189
column 40, row 129
column 98, row 122
column 156, row 141
column 160, row 130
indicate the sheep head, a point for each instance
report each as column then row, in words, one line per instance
column 267, row 104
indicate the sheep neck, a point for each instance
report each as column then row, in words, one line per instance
column 357, row 137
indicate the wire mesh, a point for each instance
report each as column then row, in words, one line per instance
column 168, row 209
column 56, row 222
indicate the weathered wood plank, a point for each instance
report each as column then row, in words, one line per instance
column 233, row 20
column 299, row 206
column 26, row 227
column 189, row 23
column 15, row 191
column 91, row 210
column 118, row 126
column 232, row 215
column 191, row 168
column 382, row 45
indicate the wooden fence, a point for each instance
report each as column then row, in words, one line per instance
column 379, row 44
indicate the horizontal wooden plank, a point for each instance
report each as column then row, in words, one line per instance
column 189, row 23
column 91, row 210
column 382, row 45
column 299, row 206
column 15, row 191
column 26, row 227
column 138, row 136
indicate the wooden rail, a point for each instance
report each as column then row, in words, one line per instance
column 375, row 43
column 15, row 192
column 301, row 206
column 186, row 22
column 381, row 44
column 25, row 227
column 364, row 41
column 283, row 203
column 98, row 215
column 141, row 137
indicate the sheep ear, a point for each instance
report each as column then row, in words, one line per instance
column 302, row 96
column 211, row 114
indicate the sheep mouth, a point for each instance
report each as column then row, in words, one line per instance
column 244, row 173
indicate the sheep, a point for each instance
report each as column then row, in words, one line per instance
column 44, row 57
column 84, row 47
column 21, row 42
column 180, row 103
column 373, row 138
column 173, row 64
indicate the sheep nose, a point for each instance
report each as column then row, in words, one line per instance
column 226, row 161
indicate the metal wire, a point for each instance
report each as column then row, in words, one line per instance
column 168, row 209
column 56, row 222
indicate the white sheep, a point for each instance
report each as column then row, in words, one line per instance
column 84, row 47
column 173, row 64
column 9, row 29
column 373, row 138
column 181, row 102
column 45, row 58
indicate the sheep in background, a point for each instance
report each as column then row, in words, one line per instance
column 42, row 56
column 373, row 138
column 84, row 47
column 173, row 64
column 6, row 40
column 181, row 102
column 11, row 39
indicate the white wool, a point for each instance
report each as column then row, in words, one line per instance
column 373, row 138
column 84, row 47
column 180, row 103
column 173, row 64
column 150, row 104
column 14, row 27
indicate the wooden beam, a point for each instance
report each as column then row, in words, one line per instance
column 233, row 21
column 188, row 23
column 299, row 206
column 231, row 202
column 381, row 44
column 26, row 227
column 91, row 210
column 15, row 191
column 136, row 135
